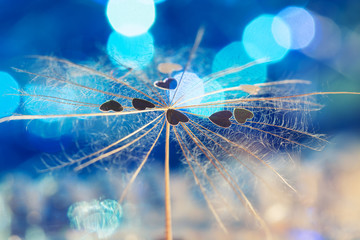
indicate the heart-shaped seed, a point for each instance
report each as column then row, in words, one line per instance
column 175, row 116
column 141, row 104
column 221, row 118
column 168, row 68
column 167, row 84
column 241, row 115
column 111, row 105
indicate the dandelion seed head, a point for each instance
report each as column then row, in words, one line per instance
column 225, row 134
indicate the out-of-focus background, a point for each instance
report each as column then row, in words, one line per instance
column 324, row 47
column 314, row 40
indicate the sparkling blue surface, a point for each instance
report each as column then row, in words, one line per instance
column 131, row 17
column 101, row 217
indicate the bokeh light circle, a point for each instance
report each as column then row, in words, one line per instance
column 131, row 17
column 234, row 55
column 268, row 37
column 327, row 42
column 8, row 101
column 135, row 52
column 301, row 25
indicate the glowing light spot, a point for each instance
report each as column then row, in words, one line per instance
column 276, row 213
column 299, row 234
column 101, row 217
column 159, row 1
column 131, row 17
column 8, row 102
column 234, row 55
column 301, row 25
column 327, row 41
column 192, row 87
column 135, row 52
column 267, row 37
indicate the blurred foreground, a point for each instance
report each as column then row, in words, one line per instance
column 327, row 205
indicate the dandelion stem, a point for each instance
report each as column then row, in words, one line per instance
column 168, row 229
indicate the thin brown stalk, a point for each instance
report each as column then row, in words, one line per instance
column 168, row 227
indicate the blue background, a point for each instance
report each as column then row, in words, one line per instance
column 79, row 30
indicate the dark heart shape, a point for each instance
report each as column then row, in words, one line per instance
column 241, row 115
column 221, row 118
column 175, row 116
column 141, row 104
column 111, row 105
column 167, row 84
